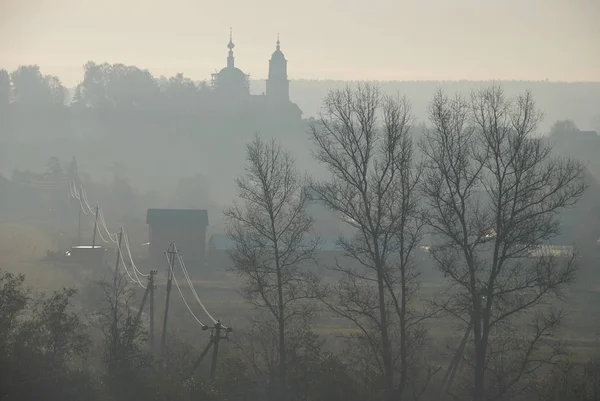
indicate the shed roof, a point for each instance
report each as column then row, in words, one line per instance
column 177, row 216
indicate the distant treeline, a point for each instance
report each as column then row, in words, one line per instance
column 125, row 87
column 164, row 128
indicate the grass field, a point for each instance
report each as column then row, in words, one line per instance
column 24, row 245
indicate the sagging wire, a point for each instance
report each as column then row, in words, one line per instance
column 181, row 292
column 85, row 199
column 76, row 195
column 131, row 258
column 41, row 184
column 82, row 197
column 100, row 234
column 126, row 269
column 113, row 237
column 191, row 285
column 75, row 190
column 133, row 267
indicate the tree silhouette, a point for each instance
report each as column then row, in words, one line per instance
column 32, row 88
column 5, row 90
column 271, row 229
column 493, row 192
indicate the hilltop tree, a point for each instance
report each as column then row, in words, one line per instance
column 563, row 127
column 5, row 89
column 272, row 248
column 493, row 191
column 129, row 87
column 117, row 86
column 363, row 139
column 32, row 88
column 91, row 92
column 180, row 93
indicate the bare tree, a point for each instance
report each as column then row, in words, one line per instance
column 123, row 336
column 363, row 139
column 493, row 191
column 273, row 243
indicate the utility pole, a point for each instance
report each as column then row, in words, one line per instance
column 96, row 228
column 151, row 286
column 74, row 172
column 116, row 300
column 138, row 317
column 118, row 257
column 215, row 337
column 171, row 259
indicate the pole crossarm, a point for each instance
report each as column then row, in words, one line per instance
column 216, row 336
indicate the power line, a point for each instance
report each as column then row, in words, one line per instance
column 181, row 293
column 77, row 191
column 183, row 268
column 135, row 280
column 81, row 196
column 131, row 258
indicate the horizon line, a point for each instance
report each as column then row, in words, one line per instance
column 365, row 80
column 416, row 81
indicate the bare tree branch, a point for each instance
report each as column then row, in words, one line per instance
column 273, row 242
column 363, row 139
column 494, row 191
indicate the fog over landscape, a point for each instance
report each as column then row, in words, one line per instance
column 262, row 201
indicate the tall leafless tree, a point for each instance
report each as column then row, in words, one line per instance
column 274, row 244
column 494, row 190
column 363, row 139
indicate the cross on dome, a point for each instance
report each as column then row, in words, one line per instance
column 230, row 46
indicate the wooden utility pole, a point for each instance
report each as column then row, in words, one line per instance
column 215, row 337
column 96, row 228
column 204, row 352
column 151, row 286
column 116, row 300
column 138, row 318
column 171, row 259
column 116, row 276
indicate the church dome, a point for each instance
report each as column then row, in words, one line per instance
column 231, row 80
column 278, row 54
column 231, row 73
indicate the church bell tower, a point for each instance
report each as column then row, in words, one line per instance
column 278, row 85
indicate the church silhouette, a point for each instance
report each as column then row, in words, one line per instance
column 231, row 87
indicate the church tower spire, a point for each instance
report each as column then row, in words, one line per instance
column 230, row 46
column 278, row 85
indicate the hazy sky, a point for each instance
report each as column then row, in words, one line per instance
column 343, row 39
